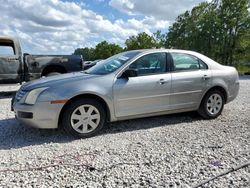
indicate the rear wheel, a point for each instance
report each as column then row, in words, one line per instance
column 212, row 104
column 83, row 118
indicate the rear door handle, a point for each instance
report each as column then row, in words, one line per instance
column 162, row 81
column 206, row 77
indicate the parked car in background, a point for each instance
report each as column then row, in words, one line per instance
column 16, row 67
column 89, row 64
column 128, row 85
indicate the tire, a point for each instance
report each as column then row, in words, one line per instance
column 212, row 104
column 83, row 118
column 53, row 74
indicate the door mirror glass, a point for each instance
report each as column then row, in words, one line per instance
column 129, row 73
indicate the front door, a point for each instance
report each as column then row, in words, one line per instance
column 190, row 78
column 10, row 65
column 148, row 92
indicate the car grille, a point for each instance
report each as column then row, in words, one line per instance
column 20, row 94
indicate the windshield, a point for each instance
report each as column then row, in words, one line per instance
column 111, row 64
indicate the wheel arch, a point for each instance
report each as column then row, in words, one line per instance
column 89, row 96
column 219, row 88
column 53, row 68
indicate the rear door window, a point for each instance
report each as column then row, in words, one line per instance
column 186, row 62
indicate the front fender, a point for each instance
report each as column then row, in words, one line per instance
column 101, row 88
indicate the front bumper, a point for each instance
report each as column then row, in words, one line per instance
column 43, row 115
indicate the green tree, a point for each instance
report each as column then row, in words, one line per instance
column 160, row 39
column 217, row 29
column 243, row 47
column 235, row 21
column 104, row 50
column 178, row 37
column 87, row 53
column 141, row 41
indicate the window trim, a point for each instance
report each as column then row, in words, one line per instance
column 10, row 49
column 167, row 70
column 8, row 43
column 186, row 70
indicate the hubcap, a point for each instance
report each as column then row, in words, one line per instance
column 214, row 104
column 85, row 118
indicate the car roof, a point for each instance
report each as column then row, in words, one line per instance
column 210, row 62
column 162, row 50
column 7, row 38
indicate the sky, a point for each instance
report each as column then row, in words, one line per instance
column 61, row 26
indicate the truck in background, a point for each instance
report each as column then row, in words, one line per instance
column 16, row 67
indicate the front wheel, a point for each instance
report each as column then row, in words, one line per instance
column 83, row 118
column 212, row 104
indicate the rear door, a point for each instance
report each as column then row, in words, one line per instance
column 10, row 65
column 148, row 92
column 190, row 78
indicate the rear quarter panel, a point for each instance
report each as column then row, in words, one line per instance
column 226, row 77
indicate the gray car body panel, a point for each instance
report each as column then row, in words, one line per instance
column 134, row 97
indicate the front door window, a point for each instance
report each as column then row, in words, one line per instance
column 150, row 64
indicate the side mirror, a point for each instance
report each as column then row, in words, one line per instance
column 129, row 73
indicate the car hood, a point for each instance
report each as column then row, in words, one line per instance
column 56, row 80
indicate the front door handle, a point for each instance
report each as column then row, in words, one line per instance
column 162, row 81
column 12, row 59
column 206, row 77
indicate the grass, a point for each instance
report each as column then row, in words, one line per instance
column 242, row 69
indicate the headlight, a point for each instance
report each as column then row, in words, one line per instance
column 33, row 94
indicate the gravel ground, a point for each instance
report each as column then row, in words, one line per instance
column 179, row 150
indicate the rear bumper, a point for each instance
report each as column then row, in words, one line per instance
column 233, row 92
column 42, row 115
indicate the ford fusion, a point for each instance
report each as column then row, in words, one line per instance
column 129, row 85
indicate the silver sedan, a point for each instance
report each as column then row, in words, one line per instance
column 129, row 85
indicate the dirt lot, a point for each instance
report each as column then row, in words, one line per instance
column 178, row 150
